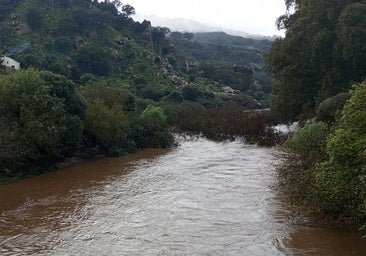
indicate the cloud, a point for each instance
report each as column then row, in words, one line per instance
column 256, row 17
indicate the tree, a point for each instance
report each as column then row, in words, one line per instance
column 107, row 120
column 158, row 36
column 75, row 106
column 321, row 55
column 329, row 109
column 352, row 37
column 35, row 116
column 12, row 153
column 128, row 10
column 93, row 60
column 34, row 18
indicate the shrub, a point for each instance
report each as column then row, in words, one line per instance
column 107, row 122
column 35, row 116
column 224, row 123
column 328, row 176
column 192, row 93
column 341, row 179
column 328, row 109
column 309, row 143
column 34, row 18
column 93, row 60
column 174, row 97
column 153, row 129
column 106, row 126
column 87, row 78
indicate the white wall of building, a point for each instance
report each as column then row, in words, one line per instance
column 9, row 62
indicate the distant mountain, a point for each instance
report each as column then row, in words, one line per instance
column 221, row 47
column 187, row 25
column 231, row 60
column 224, row 39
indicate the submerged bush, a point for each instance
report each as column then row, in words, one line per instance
column 225, row 123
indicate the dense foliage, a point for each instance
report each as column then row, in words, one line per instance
column 36, row 120
column 220, row 47
column 322, row 54
column 326, row 175
column 315, row 65
column 44, row 118
column 227, row 60
column 341, row 178
column 221, row 38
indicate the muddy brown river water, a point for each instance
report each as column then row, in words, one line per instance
column 200, row 198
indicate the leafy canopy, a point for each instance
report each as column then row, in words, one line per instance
column 322, row 54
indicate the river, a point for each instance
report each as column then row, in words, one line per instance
column 200, row 198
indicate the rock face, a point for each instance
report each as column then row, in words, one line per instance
column 169, row 72
column 242, row 69
column 146, row 33
column 24, row 28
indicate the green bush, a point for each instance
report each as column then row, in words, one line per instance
column 75, row 105
column 87, row 78
column 107, row 122
column 106, row 126
column 34, row 18
column 327, row 176
column 154, row 129
column 341, row 179
column 93, row 60
column 327, row 110
column 309, row 143
column 35, row 117
column 174, row 97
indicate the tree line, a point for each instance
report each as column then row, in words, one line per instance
column 45, row 117
column 320, row 71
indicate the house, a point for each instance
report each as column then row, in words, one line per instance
column 9, row 62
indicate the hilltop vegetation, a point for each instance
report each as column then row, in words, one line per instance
column 230, row 60
column 320, row 72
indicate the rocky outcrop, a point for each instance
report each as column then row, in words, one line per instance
column 24, row 28
column 146, row 31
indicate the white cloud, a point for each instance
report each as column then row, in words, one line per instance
column 253, row 16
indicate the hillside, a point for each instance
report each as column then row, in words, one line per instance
column 79, row 39
column 223, row 39
column 218, row 53
column 93, row 81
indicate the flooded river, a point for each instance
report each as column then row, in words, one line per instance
column 200, row 198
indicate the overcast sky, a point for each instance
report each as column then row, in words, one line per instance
column 253, row 16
